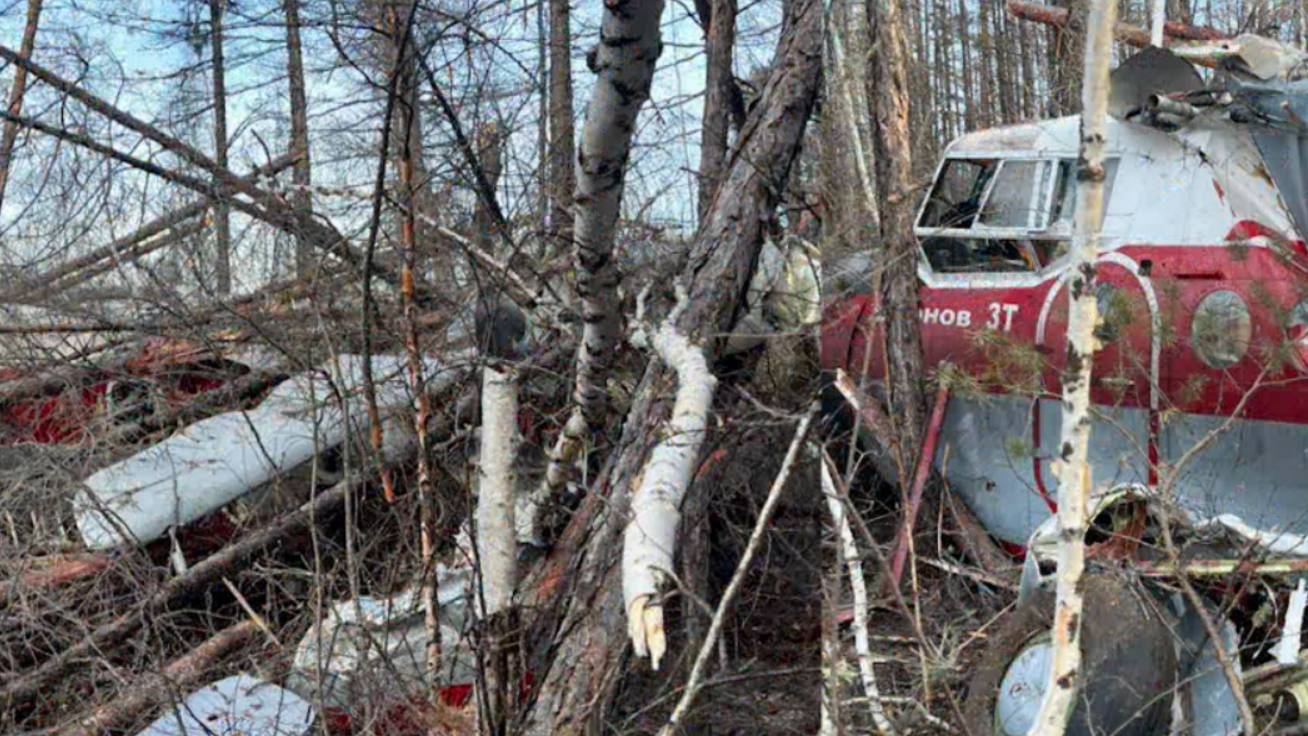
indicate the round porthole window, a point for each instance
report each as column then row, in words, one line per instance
column 1220, row 329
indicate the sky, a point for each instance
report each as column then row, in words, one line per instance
column 128, row 61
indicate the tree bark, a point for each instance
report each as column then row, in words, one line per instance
column 1067, row 58
column 898, row 288
column 583, row 649
column 629, row 47
column 630, row 44
column 222, row 211
column 965, row 38
column 16, row 94
column 561, row 172
column 720, row 39
column 490, row 159
column 496, row 545
column 302, row 198
column 850, row 190
column 407, row 138
column 1065, row 675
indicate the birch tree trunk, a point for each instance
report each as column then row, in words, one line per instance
column 561, row 172
column 16, row 94
column 630, row 44
column 898, row 289
column 1065, row 673
column 302, row 199
column 629, row 47
column 1157, row 19
column 847, row 138
column 222, row 211
column 580, row 639
column 496, row 545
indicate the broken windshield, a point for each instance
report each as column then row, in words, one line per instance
column 1019, row 212
column 956, row 197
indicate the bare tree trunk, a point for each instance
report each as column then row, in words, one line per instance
column 965, row 38
column 1066, row 58
column 719, row 17
column 561, row 173
column 900, row 256
column 489, row 158
column 302, row 199
column 1026, row 50
column 16, row 94
column 630, row 44
column 1065, row 675
column 986, row 58
column 847, row 127
column 496, row 546
column 629, row 47
column 409, row 156
column 585, row 647
column 222, row 211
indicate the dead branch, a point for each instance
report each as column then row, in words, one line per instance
column 125, row 249
column 779, row 483
column 264, row 206
column 183, row 673
column 1125, row 32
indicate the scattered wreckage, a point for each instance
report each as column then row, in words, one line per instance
column 1200, row 388
column 186, row 498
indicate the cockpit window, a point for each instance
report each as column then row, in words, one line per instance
column 1014, row 199
column 1001, row 215
column 1065, row 196
column 956, row 197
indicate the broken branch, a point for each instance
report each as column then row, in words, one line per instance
column 651, row 535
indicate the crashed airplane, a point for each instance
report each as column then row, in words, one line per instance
column 1199, row 384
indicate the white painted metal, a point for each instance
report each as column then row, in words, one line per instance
column 376, row 646
column 1186, row 187
column 212, row 462
column 241, row 704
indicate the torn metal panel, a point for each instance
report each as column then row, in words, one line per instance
column 376, row 646
column 214, row 461
column 241, row 704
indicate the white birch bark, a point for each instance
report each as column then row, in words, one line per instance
column 623, row 63
column 849, row 76
column 1065, row 674
column 649, row 540
column 624, row 60
column 496, row 543
column 858, row 586
column 1158, row 19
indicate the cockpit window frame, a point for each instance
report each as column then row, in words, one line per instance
column 1046, row 228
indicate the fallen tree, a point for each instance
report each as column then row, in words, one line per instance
column 581, row 649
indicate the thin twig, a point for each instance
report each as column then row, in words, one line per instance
column 693, row 683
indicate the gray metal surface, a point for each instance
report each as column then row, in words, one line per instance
column 241, row 705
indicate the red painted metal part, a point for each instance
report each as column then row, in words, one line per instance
column 176, row 370
column 1269, row 282
column 920, row 475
